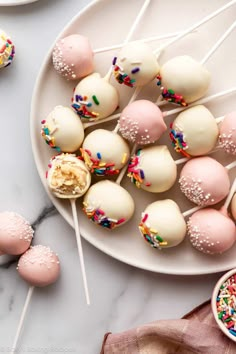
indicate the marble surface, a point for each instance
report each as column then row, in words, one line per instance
column 122, row 297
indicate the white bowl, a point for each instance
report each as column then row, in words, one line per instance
column 214, row 307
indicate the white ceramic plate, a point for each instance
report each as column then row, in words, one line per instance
column 15, row 2
column 107, row 22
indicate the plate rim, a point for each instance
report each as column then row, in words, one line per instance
column 55, row 201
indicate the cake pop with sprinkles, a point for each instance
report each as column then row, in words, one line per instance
column 15, row 233
column 194, row 132
column 7, row 50
column 104, row 152
column 153, row 169
column 72, row 57
column 108, row 204
column 141, row 122
column 39, row 266
column 62, row 130
column 212, row 231
column 204, row 181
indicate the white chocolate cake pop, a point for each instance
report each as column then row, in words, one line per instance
column 153, row 169
column 105, row 152
column 108, row 205
column 62, row 130
column 141, row 122
column 194, row 132
column 72, row 57
column 39, row 266
column 15, row 233
column 68, row 177
column 204, row 181
column 211, row 231
column 183, row 80
column 136, row 65
column 162, row 225
column 95, row 98
column 227, row 138
column 7, row 50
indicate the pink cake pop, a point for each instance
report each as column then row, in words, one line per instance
column 205, row 181
column 212, row 231
column 40, row 267
column 141, row 122
column 227, row 138
column 72, row 57
column 15, row 233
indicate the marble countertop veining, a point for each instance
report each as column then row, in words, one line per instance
column 122, row 297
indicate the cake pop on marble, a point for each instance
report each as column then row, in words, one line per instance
column 62, row 130
column 7, row 50
column 15, row 233
column 104, row 152
column 194, row 132
column 72, row 57
column 204, row 181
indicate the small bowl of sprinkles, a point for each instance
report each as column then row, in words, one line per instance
column 223, row 303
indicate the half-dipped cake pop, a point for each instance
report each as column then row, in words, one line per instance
column 211, row 231
column 39, row 266
column 136, row 65
column 108, row 205
column 153, row 169
column 204, row 181
column 194, row 132
column 162, row 225
column 183, row 80
column 72, row 57
column 94, row 98
column 68, row 177
column 105, row 152
column 141, row 122
column 7, row 50
column 62, row 130
column 227, row 138
column 15, row 233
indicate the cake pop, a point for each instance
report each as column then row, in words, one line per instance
column 107, row 204
column 104, row 152
column 162, row 225
column 227, row 137
column 62, row 130
column 212, row 231
column 39, row 267
column 141, row 122
column 69, row 178
column 194, row 132
column 153, row 169
column 205, row 181
column 72, row 57
column 15, row 233
column 7, row 50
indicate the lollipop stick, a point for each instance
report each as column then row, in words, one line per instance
column 230, row 195
column 80, row 250
column 191, row 211
column 196, row 25
column 231, row 165
column 145, row 40
column 218, row 43
column 22, row 318
column 183, row 160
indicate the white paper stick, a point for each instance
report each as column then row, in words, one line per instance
column 80, row 250
column 191, row 211
column 218, row 43
column 231, row 165
column 196, row 25
column 22, row 318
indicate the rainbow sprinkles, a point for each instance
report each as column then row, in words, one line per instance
column 96, row 165
column 7, row 50
column 81, row 105
column 151, row 235
column 99, row 217
column 170, row 95
column 135, row 173
column 122, row 77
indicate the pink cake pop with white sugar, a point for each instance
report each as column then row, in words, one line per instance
column 227, row 138
column 72, row 57
column 15, row 233
column 39, row 266
column 204, row 181
column 141, row 122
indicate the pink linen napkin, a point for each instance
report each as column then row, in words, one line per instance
column 195, row 333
